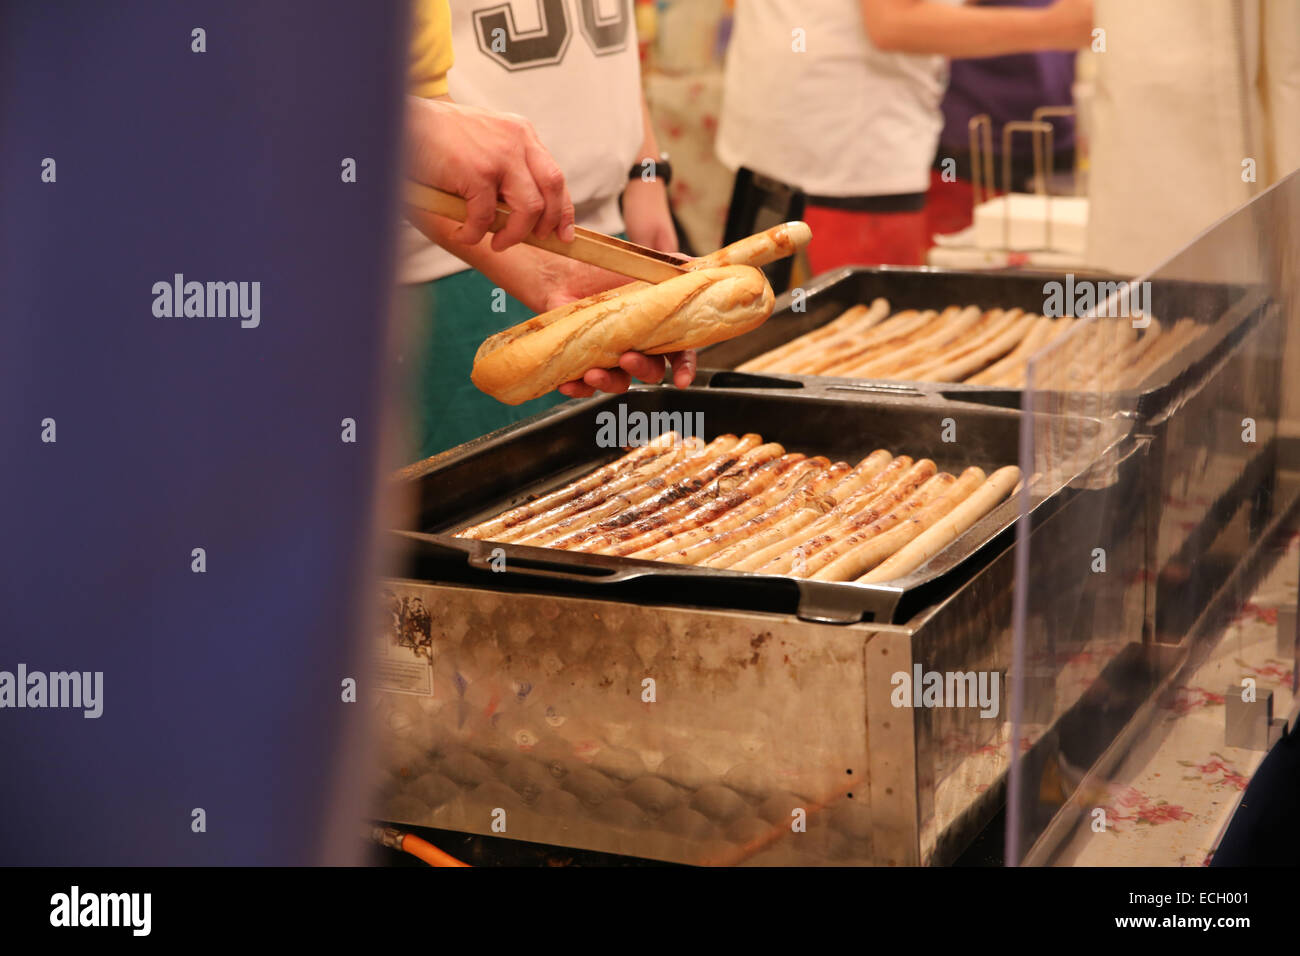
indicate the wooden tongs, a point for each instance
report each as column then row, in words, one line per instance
column 594, row 248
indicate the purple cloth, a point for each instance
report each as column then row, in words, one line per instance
column 220, row 690
column 1009, row 88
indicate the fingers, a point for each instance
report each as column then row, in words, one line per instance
column 567, row 219
column 647, row 368
column 534, row 188
column 611, row 380
column 481, row 209
column 497, row 157
column 557, row 215
column 577, row 389
column 683, row 364
column 526, row 204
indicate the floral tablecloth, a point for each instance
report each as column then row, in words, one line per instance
column 1172, row 797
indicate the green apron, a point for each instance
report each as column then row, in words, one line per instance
column 453, row 316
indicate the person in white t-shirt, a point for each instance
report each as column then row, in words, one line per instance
column 840, row 99
column 572, row 69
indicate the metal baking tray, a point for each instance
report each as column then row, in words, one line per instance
column 1229, row 310
column 484, row 477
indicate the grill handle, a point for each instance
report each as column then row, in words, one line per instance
column 726, row 378
column 479, row 555
column 481, row 559
column 878, row 388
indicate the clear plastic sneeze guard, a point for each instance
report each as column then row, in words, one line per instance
column 1123, row 594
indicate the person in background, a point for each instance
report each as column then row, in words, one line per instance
column 841, row 100
column 1207, row 94
column 578, row 84
column 1007, row 88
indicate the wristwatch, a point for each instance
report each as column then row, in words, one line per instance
column 660, row 169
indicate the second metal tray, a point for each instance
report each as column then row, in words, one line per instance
column 1229, row 311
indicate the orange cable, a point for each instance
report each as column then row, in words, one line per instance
column 426, row 851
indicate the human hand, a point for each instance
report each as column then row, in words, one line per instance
column 559, row 281
column 646, row 368
column 569, row 281
column 486, row 157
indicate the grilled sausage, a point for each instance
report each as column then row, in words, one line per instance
column 851, row 562
column 633, row 459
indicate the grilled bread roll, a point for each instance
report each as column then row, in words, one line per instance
column 689, row 311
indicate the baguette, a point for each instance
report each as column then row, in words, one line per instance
column 755, row 250
column 689, row 311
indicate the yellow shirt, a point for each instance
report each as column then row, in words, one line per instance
column 431, row 54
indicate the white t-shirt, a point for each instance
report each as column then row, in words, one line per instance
column 571, row 67
column 810, row 101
